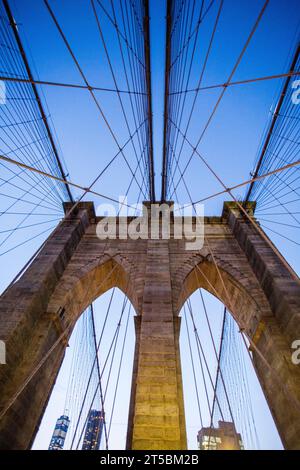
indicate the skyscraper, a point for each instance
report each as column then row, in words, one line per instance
column 93, row 431
column 224, row 437
column 59, row 433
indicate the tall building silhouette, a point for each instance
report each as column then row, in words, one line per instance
column 59, row 434
column 224, row 437
column 93, row 431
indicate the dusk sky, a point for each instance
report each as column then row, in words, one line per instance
column 231, row 145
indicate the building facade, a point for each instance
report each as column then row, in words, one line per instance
column 93, row 431
column 59, row 434
column 224, row 437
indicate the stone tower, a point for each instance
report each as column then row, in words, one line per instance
column 74, row 267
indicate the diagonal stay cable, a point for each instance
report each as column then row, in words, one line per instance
column 112, row 349
column 283, row 386
column 115, row 24
column 57, row 178
column 112, row 71
column 36, row 93
column 135, row 112
column 219, row 355
column 5, row 78
column 149, row 111
column 93, row 366
column 238, row 82
column 119, row 371
column 96, row 101
column 68, row 213
column 61, row 337
column 244, row 183
column 193, row 367
column 228, row 304
column 273, row 122
column 178, row 115
column 245, row 213
column 199, row 81
column 192, row 34
column 225, row 86
column 215, row 350
column 99, row 377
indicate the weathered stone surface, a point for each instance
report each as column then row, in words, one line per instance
column 75, row 267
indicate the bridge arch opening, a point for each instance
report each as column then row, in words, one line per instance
column 50, row 324
column 79, row 288
column 220, row 386
column 76, row 392
column 245, row 301
column 250, row 308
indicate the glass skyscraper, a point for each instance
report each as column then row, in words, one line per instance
column 93, row 431
column 59, row 433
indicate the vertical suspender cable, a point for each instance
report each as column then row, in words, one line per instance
column 36, row 93
column 146, row 22
column 166, row 100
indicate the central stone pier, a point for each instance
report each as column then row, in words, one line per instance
column 157, row 398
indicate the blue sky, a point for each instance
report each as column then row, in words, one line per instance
column 232, row 140
column 230, row 144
